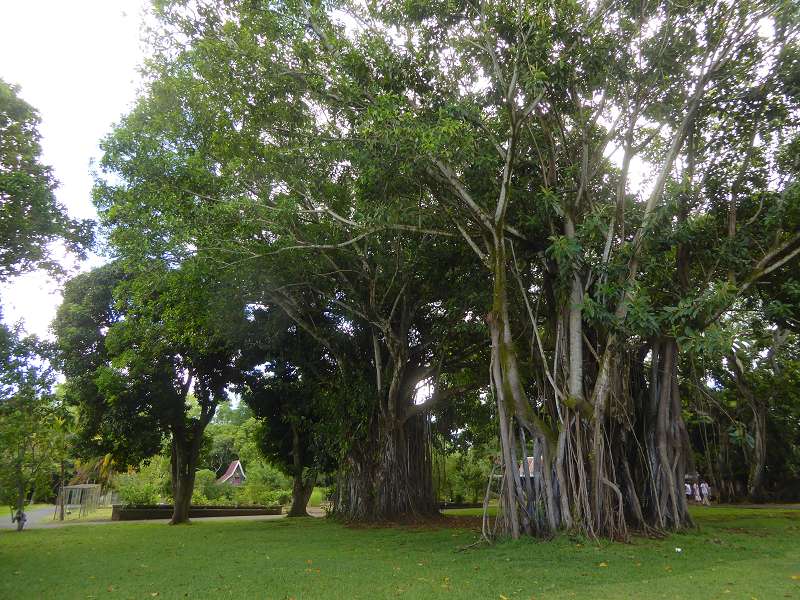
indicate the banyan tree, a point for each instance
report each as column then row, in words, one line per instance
column 599, row 180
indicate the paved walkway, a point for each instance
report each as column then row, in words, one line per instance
column 35, row 518
column 42, row 518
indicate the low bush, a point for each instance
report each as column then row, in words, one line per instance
column 198, row 499
column 256, row 494
column 134, row 489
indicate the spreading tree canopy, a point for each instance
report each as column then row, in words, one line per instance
column 582, row 189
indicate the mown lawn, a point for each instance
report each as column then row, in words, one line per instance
column 735, row 553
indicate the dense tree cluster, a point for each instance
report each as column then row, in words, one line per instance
column 577, row 223
column 33, row 423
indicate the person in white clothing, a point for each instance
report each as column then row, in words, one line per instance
column 704, row 492
column 696, row 488
column 688, row 490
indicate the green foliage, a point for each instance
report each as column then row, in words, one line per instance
column 137, row 489
column 264, row 474
column 205, row 486
column 204, row 480
column 462, row 476
column 30, row 218
column 365, row 193
column 260, row 494
column 33, row 425
column 112, row 410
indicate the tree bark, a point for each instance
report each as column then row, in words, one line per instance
column 755, row 483
column 20, row 516
column 61, row 498
column 302, row 487
column 388, row 474
column 755, row 476
column 303, row 478
column 185, row 451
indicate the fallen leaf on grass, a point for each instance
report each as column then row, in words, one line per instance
column 602, row 564
column 796, row 577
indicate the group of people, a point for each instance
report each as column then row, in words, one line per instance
column 699, row 491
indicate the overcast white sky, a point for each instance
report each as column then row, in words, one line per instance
column 76, row 62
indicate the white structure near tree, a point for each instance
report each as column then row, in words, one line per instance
column 234, row 474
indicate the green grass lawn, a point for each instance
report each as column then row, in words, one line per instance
column 735, row 553
column 37, row 506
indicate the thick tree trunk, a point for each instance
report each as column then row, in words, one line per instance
column 302, row 486
column 303, row 478
column 533, row 511
column 184, row 464
column 388, row 474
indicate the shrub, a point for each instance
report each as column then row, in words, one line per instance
column 265, row 474
column 259, row 494
column 221, row 493
column 134, row 489
column 204, row 480
column 198, row 499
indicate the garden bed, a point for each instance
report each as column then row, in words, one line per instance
column 164, row 511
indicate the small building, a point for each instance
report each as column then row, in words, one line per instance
column 234, row 474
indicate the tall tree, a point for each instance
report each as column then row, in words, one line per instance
column 30, row 419
column 30, row 217
column 485, row 128
column 277, row 217
column 165, row 343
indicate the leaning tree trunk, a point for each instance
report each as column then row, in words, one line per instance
column 528, row 500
